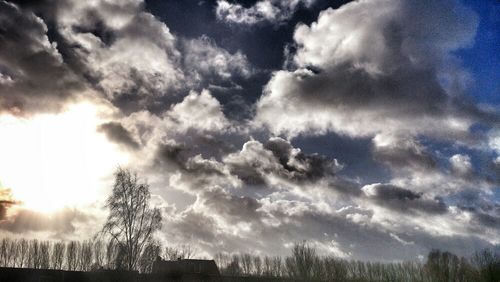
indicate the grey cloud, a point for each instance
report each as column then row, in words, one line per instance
column 256, row 164
column 484, row 211
column 60, row 223
column 353, row 102
column 492, row 221
column 192, row 224
column 359, row 236
column 400, row 153
column 93, row 53
column 302, row 166
column 234, row 208
column 277, row 157
column 168, row 67
column 404, row 200
column 119, row 134
column 171, row 154
column 196, row 173
column 349, row 232
column 33, row 75
column 382, row 220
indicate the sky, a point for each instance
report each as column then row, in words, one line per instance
column 369, row 128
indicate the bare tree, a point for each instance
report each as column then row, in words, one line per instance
column 111, row 255
column 182, row 251
column 131, row 222
column 4, row 248
column 443, row 266
column 246, row 263
column 277, row 266
column 222, row 260
column 44, row 255
column 148, row 257
column 233, row 268
column 15, row 253
column 268, row 266
column 58, row 255
column 98, row 254
column 34, row 254
column 71, row 255
column 301, row 263
column 257, row 266
column 487, row 263
column 23, row 249
column 85, row 256
column 336, row 269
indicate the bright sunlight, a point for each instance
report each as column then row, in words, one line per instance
column 52, row 161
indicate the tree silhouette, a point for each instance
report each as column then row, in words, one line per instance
column 300, row 264
column 131, row 222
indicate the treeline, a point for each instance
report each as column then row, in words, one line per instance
column 305, row 264
column 81, row 256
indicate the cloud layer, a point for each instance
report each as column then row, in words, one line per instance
column 380, row 71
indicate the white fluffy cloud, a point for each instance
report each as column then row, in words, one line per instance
column 204, row 60
column 373, row 67
column 273, row 11
column 111, row 57
column 199, row 112
column 461, row 164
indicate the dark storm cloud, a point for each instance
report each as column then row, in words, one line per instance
column 172, row 154
column 403, row 200
column 119, row 134
column 33, row 75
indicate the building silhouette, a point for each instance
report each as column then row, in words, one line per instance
column 186, row 270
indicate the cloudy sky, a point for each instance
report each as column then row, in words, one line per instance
column 370, row 128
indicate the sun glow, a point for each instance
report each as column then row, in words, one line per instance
column 52, row 161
